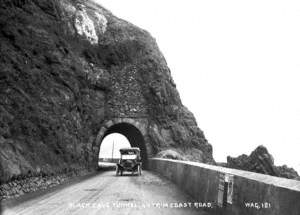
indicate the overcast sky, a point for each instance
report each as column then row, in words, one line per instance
column 116, row 140
column 236, row 65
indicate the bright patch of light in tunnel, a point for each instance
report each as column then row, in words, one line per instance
column 111, row 145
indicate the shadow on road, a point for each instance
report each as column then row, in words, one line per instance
column 128, row 174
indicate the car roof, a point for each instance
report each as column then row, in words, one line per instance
column 133, row 149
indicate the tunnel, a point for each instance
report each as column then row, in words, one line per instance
column 134, row 136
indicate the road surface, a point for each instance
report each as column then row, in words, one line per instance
column 107, row 194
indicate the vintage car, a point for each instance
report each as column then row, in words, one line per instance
column 130, row 161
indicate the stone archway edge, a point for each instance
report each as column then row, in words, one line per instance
column 139, row 125
column 139, row 137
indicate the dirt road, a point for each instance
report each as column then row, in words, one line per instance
column 107, row 194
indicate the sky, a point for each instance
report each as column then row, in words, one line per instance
column 236, row 65
column 116, row 140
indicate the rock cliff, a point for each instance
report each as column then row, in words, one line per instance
column 68, row 65
column 261, row 161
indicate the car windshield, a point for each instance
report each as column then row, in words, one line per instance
column 129, row 157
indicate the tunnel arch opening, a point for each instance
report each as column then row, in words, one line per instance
column 111, row 145
column 131, row 132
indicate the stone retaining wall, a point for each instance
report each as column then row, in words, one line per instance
column 250, row 193
column 21, row 186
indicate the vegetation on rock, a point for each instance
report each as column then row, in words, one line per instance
column 65, row 67
column 261, row 161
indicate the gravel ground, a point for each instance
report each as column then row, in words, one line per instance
column 108, row 194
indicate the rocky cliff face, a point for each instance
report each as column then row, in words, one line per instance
column 65, row 67
column 261, row 161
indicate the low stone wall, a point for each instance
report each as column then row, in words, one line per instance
column 21, row 186
column 231, row 191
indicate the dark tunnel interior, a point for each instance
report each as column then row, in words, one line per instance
column 133, row 135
